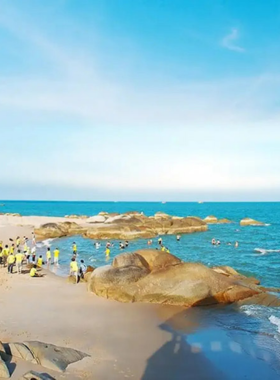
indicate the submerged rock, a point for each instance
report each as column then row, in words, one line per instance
column 251, row 222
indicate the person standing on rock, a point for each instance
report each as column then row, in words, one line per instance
column 56, row 253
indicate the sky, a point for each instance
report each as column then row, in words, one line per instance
column 140, row 100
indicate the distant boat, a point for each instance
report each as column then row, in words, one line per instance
column 163, row 203
column 200, row 202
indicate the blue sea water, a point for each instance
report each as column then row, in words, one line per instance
column 258, row 255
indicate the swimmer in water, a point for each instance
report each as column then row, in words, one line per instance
column 178, row 237
column 236, row 244
column 213, row 241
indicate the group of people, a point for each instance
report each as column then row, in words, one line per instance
column 217, row 242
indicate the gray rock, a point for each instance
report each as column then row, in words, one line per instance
column 54, row 357
column 4, row 372
column 19, row 350
column 32, row 375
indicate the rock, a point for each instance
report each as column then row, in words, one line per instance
column 90, row 269
column 97, row 219
column 157, row 259
column 33, row 375
column 50, row 230
column 4, row 372
column 250, row 222
column 113, row 219
column 168, row 281
column 161, row 215
column 211, row 219
column 19, row 350
column 133, row 213
column 3, row 354
column 54, row 357
column 264, row 299
column 87, row 276
column 224, row 221
column 230, row 272
column 71, row 280
column 126, row 259
column 110, row 282
column 226, row 270
column 103, row 213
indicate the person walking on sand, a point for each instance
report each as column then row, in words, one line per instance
column 11, row 261
column 48, row 256
column 33, row 239
column 56, row 253
column 74, row 269
column 19, row 260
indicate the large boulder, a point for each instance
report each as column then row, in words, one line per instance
column 251, row 222
column 166, row 281
column 50, row 230
column 157, row 259
column 211, row 219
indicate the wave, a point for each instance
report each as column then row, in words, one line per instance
column 263, row 251
column 275, row 321
column 45, row 243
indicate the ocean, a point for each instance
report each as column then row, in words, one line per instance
column 258, row 255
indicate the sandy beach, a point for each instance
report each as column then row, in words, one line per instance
column 133, row 341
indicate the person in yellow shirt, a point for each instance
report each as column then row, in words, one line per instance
column 74, row 269
column 12, row 249
column 74, row 247
column 19, row 260
column 40, row 261
column 48, row 256
column 5, row 254
column 11, row 261
column 33, row 272
column 56, row 253
column 163, row 249
column 107, row 252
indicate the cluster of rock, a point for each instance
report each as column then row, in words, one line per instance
column 10, row 214
column 158, row 277
column 211, row 219
column 47, row 355
column 126, row 226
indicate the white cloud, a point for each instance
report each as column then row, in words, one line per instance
column 229, row 41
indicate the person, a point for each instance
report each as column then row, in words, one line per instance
column 5, row 254
column 83, row 269
column 33, row 239
column 74, row 247
column 107, row 252
column 236, row 244
column 150, row 242
column 12, row 249
column 163, row 249
column 19, row 260
column 160, row 241
column 18, row 242
column 25, row 247
column 56, row 253
column 213, row 241
column 33, row 272
column 178, row 237
column 1, row 245
column 33, row 253
column 40, row 261
column 108, row 244
column 126, row 243
column 167, row 250
column 218, row 242
column 121, row 245
column 48, row 256
column 74, row 269
column 11, row 261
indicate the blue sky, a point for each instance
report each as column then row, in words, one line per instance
column 140, row 100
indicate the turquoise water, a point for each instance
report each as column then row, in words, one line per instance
column 258, row 255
